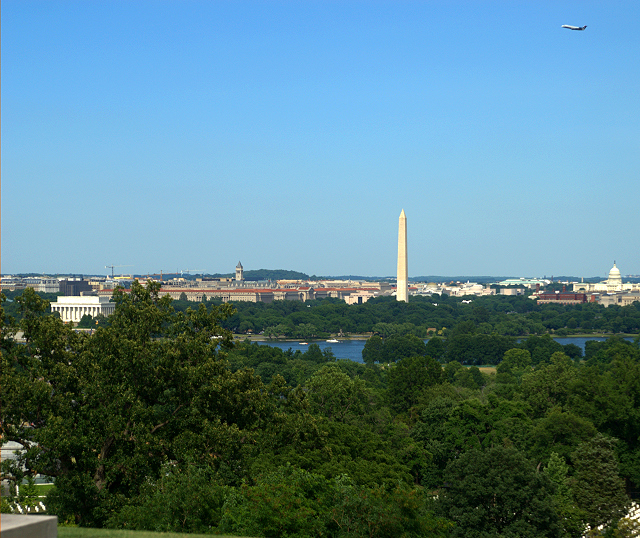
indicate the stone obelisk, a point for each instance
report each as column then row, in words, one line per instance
column 402, row 293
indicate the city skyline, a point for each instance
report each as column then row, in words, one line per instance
column 287, row 135
column 170, row 275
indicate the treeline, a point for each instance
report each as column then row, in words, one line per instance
column 266, row 274
column 274, row 274
column 466, row 348
column 158, row 421
column 12, row 307
column 504, row 315
column 423, row 317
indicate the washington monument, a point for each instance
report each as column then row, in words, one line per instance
column 402, row 287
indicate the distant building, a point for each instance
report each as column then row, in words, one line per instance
column 354, row 292
column 102, row 283
column 43, row 284
column 266, row 291
column 562, row 298
column 469, row 288
column 526, row 282
column 74, row 287
column 269, row 295
column 613, row 284
column 12, row 283
column 360, row 296
column 71, row 309
column 458, row 290
column 620, row 299
column 511, row 291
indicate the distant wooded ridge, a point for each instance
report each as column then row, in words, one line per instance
column 282, row 274
column 285, row 274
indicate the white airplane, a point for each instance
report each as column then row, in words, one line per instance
column 574, row 27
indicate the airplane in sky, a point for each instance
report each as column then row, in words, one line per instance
column 574, row 27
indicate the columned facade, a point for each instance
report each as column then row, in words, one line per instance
column 71, row 309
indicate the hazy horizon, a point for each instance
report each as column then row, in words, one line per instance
column 421, row 278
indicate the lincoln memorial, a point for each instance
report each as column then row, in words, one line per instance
column 73, row 308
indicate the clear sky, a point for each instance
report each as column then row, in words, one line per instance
column 174, row 135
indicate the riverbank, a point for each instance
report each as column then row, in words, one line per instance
column 261, row 338
column 351, row 349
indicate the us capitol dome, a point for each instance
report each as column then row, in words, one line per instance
column 614, row 276
column 613, row 284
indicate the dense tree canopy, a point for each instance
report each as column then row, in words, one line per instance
column 157, row 420
column 514, row 316
column 498, row 492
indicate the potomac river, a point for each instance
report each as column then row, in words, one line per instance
column 352, row 349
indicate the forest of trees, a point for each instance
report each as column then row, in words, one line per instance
column 159, row 421
column 503, row 315
column 514, row 316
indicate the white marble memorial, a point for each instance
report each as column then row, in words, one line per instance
column 73, row 308
column 402, row 293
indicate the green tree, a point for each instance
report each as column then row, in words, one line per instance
column 470, row 378
column 245, row 326
column 452, row 424
column 515, row 363
column 498, row 493
column 185, row 498
column 282, row 503
column 296, row 503
column 373, row 350
column 283, row 330
column 598, row 488
column 399, row 347
column 306, row 330
column 335, row 395
column 435, row 347
column 315, row 354
column 559, row 432
column 550, row 385
column 450, row 370
column 514, row 359
column 478, row 349
column 541, row 348
column 408, row 379
column 101, row 413
column 86, row 322
column 570, row 515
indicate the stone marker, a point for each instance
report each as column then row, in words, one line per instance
column 17, row 526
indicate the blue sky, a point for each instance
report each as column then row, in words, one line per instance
column 174, row 135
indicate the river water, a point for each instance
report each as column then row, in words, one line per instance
column 352, row 349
